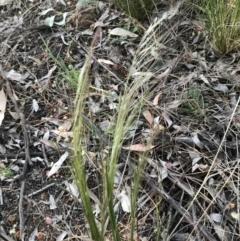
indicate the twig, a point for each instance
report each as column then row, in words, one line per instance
column 20, row 207
column 1, row 197
column 45, row 156
column 195, row 220
column 24, row 129
column 34, row 154
column 41, row 190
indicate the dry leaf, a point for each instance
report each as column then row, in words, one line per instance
column 156, row 98
column 64, row 134
column 40, row 235
column 100, row 23
column 161, row 76
column 196, row 140
column 52, row 202
column 58, row 164
column 122, row 32
column 148, row 117
column 105, row 61
column 216, row 217
column 139, row 147
column 3, row 102
column 72, row 188
column 35, row 105
column 61, row 236
column 167, row 118
column 173, row 105
column 5, row 2
column 125, row 201
column 33, row 234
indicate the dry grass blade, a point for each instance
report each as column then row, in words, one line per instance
column 227, row 180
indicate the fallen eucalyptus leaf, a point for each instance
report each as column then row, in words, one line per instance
column 139, row 147
column 49, row 21
column 58, row 164
column 3, row 103
column 122, row 32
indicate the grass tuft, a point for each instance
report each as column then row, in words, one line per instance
column 79, row 151
column 135, row 95
column 135, row 8
column 223, row 23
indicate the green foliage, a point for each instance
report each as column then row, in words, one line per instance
column 130, row 104
column 223, row 23
column 6, row 172
column 79, row 152
column 194, row 104
column 69, row 73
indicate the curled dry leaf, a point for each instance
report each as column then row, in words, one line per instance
column 14, row 115
column 167, row 118
column 63, row 21
column 125, row 201
column 14, row 75
column 164, row 172
column 156, row 98
column 72, row 188
column 58, row 164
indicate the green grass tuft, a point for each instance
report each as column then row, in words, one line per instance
column 135, row 8
column 223, row 23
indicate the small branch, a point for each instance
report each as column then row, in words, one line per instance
column 34, row 154
column 20, row 208
column 45, row 156
column 24, row 129
column 1, row 197
column 41, row 190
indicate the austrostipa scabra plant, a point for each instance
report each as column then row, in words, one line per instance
column 130, row 102
column 222, row 23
